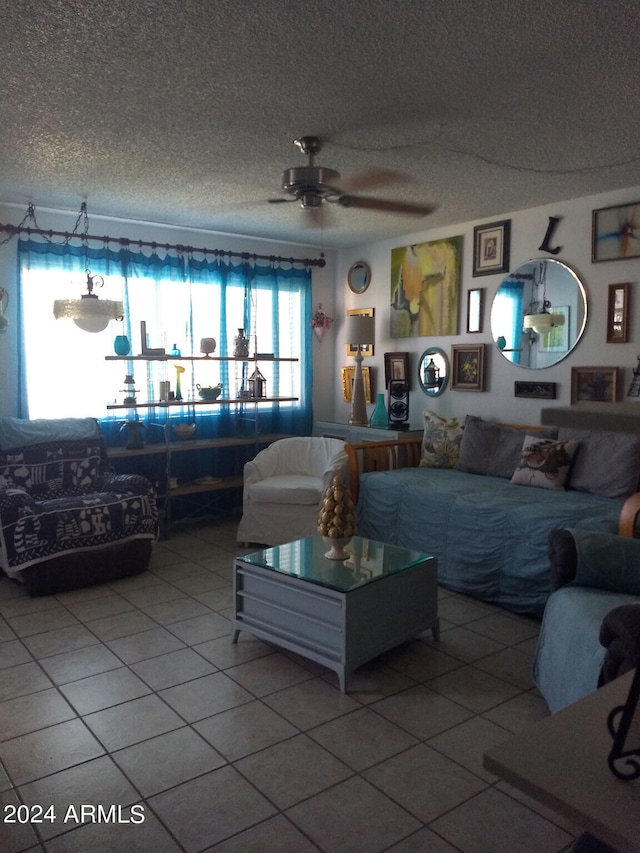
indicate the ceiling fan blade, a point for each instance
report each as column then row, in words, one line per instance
column 280, row 200
column 373, row 179
column 388, row 206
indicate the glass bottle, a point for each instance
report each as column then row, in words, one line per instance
column 241, row 345
column 380, row 416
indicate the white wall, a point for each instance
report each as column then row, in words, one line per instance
column 323, row 286
column 497, row 402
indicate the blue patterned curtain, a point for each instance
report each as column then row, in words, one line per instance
column 181, row 299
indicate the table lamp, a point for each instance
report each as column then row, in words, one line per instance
column 360, row 332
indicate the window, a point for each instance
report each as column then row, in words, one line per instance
column 64, row 371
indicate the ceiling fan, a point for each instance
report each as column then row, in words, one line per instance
column 312, row 185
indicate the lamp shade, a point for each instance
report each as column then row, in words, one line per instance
column 89, row 313
column 361, row 330
column 542, row 322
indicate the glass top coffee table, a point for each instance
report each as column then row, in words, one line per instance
column 338, row 613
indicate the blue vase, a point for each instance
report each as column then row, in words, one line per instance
column 121, row 345
column 380, row 417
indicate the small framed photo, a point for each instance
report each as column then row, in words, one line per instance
column 467, row 367
column 475, row 300
column 396, row 366
column 618, row 314
column 348, row 375
column 491, row 244
column 363, row 312
column 539, row 390
column 614, row 233
column 594, row 384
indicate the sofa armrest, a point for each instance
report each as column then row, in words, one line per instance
column 620, row 635
column 629, row 515
column 602, row 560
column 134, row 484
column 563, row 557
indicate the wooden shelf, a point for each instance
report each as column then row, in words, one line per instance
column 194, row 444
column 167, row 357
column 176, row 404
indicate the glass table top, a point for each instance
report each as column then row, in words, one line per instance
column 368, row 561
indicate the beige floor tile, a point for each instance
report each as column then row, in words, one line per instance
column 203, row 582
column 167, row 760
column 311, row 703
column 12, row 653
column 362, row 738
column 373, row 681
column 276, row 835
column 206, row 810
column 419, row 661
column 223, row 653
column 147, row 836
column 473, row 688
column 353, row 817
column 145, row 644
column 121, row 625
column 14, row 601
column 62, row 640
column 422, row 712
column 466, row 645
column 506, row 628
column 6, row 633
column 99, row 608
column 49, row 750
column 281, row 772
column 268, row 674
column 201, row 628
column 22, row 679
column 493, row 821
column 205, row 696
column 29, row 713
column 152, row 594
column 132, row 722
column 176, row 610
column 510, row 665
column 15, row 838
column 244, row 730
column 42, row 621
column 103, row 690
column 468, row 742
column 424, row 841
column 172, row 668
column 461, row 610
column 518, row 713
column 79, row 663
column 443, row 784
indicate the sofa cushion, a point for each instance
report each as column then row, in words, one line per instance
column 544, row 463
column 440, row 441
column 607, row 562
column 288, row 489
column 492, row 449
column 607, row 463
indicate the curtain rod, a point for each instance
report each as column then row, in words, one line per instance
column 125, row 242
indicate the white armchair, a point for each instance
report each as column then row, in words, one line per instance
column 283, row 488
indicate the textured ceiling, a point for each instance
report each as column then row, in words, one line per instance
column 184, row 111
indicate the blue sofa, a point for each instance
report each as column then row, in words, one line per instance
column 590, row 630
column 482, row 498
column 66, row 520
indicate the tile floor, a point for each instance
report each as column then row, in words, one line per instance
column 130, row 697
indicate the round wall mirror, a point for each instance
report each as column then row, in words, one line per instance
column 433, row 371
column 359, row 276
column 539, row 313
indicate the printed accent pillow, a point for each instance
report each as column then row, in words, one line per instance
column 440, row 441
column 544, row 463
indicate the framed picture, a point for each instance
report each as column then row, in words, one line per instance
column 594, row 384
column 396, row 366
column 491, row 247
column 348, row 375
column 475, row 300
column 540, row 390
column 363, row 312
column 615, row 233
column 557, row 338
column 467, row 367
column 618, row 314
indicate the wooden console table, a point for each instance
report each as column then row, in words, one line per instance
column 562, row 762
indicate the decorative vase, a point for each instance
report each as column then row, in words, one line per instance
column 241, row 345
column 207, row 345
column 133, row 430
column 337, row 519
column 380, row 416
column 179, row 371
column 121, row 345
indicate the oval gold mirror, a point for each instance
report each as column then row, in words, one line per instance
column 539, row 313
column 359, row 276
column 433, row 371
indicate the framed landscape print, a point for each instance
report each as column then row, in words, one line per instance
column 491, row 245
column 467, row 367
column 594, row 384
column 616, row 233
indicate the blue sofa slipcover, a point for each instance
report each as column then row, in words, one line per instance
column 66, row 520
column 463, row 501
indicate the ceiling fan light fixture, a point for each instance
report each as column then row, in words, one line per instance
column 543, row 322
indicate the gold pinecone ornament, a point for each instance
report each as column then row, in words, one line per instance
column 337, row 519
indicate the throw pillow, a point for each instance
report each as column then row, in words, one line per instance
column 440, row 441
column 492, row 449
column 607, row 464
column 544, row 463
